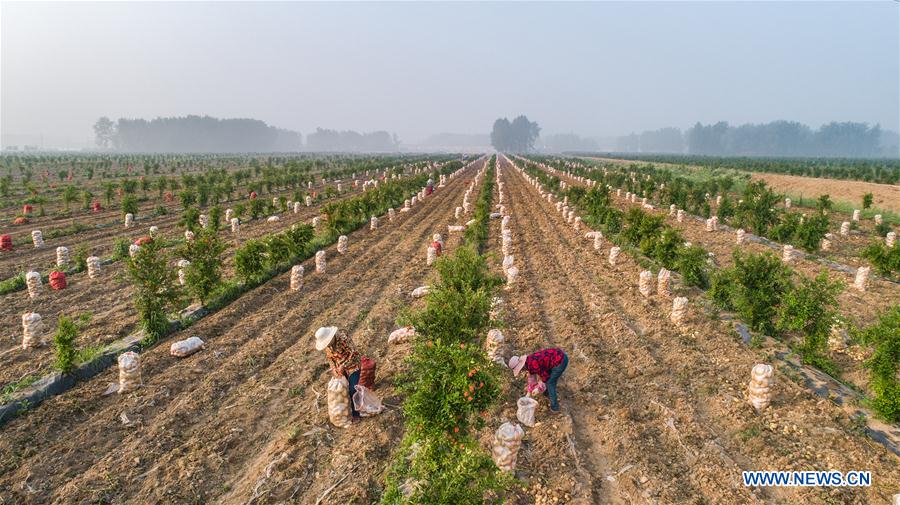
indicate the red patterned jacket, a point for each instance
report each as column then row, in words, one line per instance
column 543, row 361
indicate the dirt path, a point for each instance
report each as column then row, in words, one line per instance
column 664, row 407
column 211, row 425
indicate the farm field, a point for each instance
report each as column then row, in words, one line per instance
column 651, row 411
column 850, row 192
column 251, row 396
column 855, row 248
column 649, row 403
column 102, row 298
column 886, row 196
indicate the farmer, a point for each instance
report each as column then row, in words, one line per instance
column 342, row 357
column 547, row 365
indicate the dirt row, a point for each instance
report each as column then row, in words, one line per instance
column 659, row 413
column 244, row 420
column 107, row 299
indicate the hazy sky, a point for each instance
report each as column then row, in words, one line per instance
column 421, row 68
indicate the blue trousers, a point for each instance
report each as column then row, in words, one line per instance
column 555, row 373
column 353, row 379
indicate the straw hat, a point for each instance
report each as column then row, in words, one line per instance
column 324, row 336
column 516, row 364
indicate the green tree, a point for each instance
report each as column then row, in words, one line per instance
column 86, row 199
column 867, row 200
column 250, row 260
column 70, row 195
column 811, row 308
column 155, row 290
column 753, row 287
column 129, row 205
column 64, row 344
column 109, row 191
column 884, row 362
column 204, row 273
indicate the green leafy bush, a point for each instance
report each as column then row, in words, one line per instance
column 756, row 210
column 477, row 234
column 811, row 308
column 691, row 263
column 120, row 249
column 15, row 283
column 257, row 208
column 449, row 385
column 190, row 219
column 155, row 291
column 886, row 260
column 129, row 205
column 810, row 233
column 80, row 258
column 204, row 273
column 215, row 218
column 753, row 287
column 884, row 363
column 250, row 260
column 64, row 344
column 239, row 210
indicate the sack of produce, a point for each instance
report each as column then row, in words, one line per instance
column 186, row 347
column 129, row 371
column 505, row 447
column 32, row 330
column 525, row 412
column 401, row 335
column 367, row 372
column 34, row 284
column 57, row 280
column 339, row 402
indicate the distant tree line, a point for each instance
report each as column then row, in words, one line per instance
column 563, row 142
column 777, row 138
column 457, row 140
column 517, row 136
column 323, row 140
column 664, row 140
column 204, row 134
column 786, row 138
column 193, row 134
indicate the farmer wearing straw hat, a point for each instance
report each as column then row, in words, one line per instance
column 546, row 365
column 342, row 356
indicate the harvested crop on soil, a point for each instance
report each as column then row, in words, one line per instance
column 129, row 372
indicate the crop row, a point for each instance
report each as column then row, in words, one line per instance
column 764, row 291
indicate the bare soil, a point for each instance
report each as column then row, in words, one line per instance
column 659, row 414
column 107, row 299
column 244, row 420
column 861, row 308
column 886, row 196
column 98, row 241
